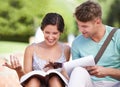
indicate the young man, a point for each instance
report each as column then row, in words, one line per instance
column 107, row 71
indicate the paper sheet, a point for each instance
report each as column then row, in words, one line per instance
column 82, row 62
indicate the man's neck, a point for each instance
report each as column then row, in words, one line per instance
column 99, row 34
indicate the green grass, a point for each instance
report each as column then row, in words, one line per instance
column 10, row 47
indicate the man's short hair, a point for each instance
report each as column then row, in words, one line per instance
column 88, row 11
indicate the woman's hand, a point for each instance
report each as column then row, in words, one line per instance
column 52, row 65
column 14, row 63
column 48, row 66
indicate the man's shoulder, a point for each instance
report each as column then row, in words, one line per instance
column 78, row 37
column 109, row 28
column 116, row 34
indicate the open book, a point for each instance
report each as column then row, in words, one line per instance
column 42, row 74
column 68, row 66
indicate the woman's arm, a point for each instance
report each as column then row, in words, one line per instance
column 28, row 58
column 67, row 55
column 67, row 52
column 15, row 64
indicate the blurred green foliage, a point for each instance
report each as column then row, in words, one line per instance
column 113, row 17
column 19, row 19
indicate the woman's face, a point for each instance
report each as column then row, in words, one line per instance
column 51, row 34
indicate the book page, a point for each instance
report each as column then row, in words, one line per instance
column 32, row 73
column 82, row 62
column 43, row 74
column 59, row 74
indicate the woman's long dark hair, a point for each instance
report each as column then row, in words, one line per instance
column 53, row 19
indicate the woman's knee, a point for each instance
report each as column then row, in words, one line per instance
column 55, row 81
column 32, row 82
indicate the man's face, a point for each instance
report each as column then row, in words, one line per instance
column 88, row 29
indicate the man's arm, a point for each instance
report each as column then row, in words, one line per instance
column 114, row 73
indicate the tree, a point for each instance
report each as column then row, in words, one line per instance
column 17, row 18
column 113, row 17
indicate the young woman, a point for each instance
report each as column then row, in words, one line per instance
column 38, row 55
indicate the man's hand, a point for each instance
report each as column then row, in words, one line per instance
column 97, row 71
